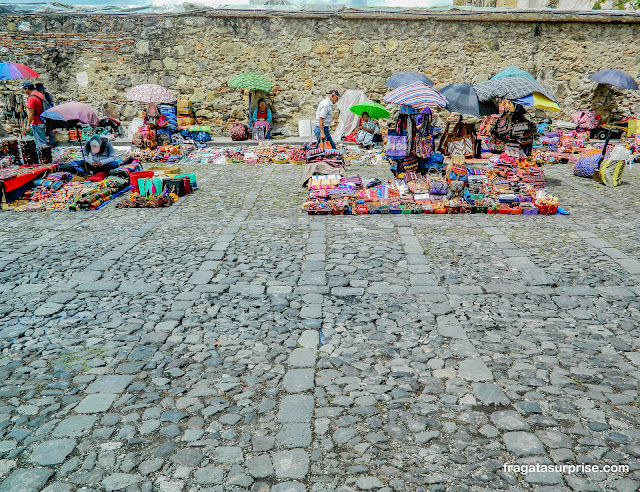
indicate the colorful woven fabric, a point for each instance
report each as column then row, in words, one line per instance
column 587, row 164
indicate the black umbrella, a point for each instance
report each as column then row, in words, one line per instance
column 615, row 78
column 462, row 98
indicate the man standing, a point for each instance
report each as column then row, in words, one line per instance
column 49, row 98
column 324, row 115
column 35, row 106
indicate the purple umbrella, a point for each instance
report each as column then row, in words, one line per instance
column 73, row 111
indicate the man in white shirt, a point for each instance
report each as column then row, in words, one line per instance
column 324, row 115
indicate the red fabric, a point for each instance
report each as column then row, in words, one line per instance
column 14, row 183
column 34, row 101
column 98, row 177
column 261, row 115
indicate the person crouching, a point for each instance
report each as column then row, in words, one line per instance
column 100, row 155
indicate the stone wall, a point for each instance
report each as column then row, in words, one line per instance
column 96, row 58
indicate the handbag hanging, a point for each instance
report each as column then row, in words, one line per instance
column 461, row 146
column 396, row 147
column 424, row 139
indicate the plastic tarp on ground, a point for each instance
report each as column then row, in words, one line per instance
column 348, row 121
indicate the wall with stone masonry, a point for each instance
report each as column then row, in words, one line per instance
column 95, row 58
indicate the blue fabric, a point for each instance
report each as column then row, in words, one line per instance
column 327, row 134
column 39, row 135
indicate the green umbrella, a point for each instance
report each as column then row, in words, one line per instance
column 374, row 109
column 514, row 71
column 252, row 81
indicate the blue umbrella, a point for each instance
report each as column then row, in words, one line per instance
column 404, row 78
column 615, row 78
column 462, row 98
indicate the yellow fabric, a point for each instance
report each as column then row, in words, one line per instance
column 543, row 102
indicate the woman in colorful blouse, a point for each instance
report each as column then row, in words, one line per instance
column 367, row 131
column 262, row 113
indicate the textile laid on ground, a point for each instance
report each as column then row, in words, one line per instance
column 504, row 185
column 94, row 195
column 13, row 178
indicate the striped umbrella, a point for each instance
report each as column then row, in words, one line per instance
column 16, row 71
column 416, row 95
column 511, row 88
column 150, row 93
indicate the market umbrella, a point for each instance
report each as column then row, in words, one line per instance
column 374, row 110
column 416, row 95
column 150, row 94
column 462, row 98
column 72, row 111
column 538, row 100
column 252, row 81
column 404, row 78
column 10, row 71
column 615, row 78
column 511, row 88
column 513, row 71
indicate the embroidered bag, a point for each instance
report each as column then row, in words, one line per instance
column 437, row 186
column 586, row 166
column 396, row 147
column 461, row 146
column 585, row 119
column 238, row 132
column 410, row 163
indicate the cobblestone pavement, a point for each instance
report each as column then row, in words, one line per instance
column 233, row 343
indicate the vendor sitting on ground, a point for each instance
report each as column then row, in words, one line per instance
column 262, row 117
column 367, row 131
column 99, row 155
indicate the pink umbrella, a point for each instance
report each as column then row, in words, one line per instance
column 150, row 93
column 73, row 111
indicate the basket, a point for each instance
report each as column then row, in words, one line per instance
column 547, row 209
column 61, row 136
column 134, row 177
column 504, row 211
column 452, row 209
column 529, row 211
column 479, row 210
column 164, row 169
column 516, row 211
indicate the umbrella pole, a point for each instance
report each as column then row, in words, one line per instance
column 84, row 162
